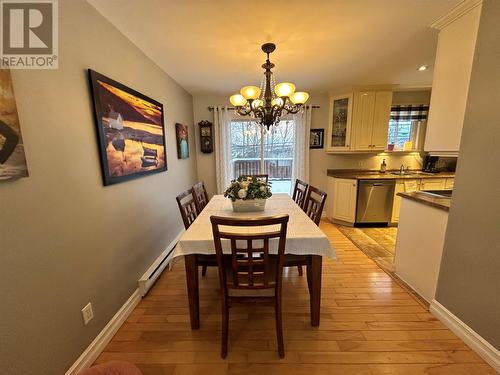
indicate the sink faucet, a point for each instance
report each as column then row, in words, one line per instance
column 402, row 169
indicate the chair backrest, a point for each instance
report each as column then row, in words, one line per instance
column 250, row 261
column 314, row 203
column 299, row 192
column 188, row 207
column 262, row 177
column 200, row 195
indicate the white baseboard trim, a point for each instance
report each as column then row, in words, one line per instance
column 104, row 337
column 482, row 347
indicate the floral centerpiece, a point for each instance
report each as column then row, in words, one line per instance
column 248, row 194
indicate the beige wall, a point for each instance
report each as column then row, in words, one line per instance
column 469, row 279
column 65, row 238
column 319, row 160
column 411, row 97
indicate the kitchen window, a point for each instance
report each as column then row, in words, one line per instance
column 407, row 126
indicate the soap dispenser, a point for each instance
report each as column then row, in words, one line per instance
column 383, row 166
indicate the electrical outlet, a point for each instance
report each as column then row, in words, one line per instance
column 87, row 313
column 361, row 163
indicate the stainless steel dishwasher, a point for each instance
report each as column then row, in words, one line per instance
column 375, row 199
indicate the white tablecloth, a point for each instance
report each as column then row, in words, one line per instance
column 303, row 236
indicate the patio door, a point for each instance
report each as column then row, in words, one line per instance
column 254, row 150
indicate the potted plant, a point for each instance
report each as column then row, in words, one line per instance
column 248, row 194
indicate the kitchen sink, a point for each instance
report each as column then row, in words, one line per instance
column 412, row 173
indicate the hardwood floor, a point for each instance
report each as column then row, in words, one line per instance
column 369, row 326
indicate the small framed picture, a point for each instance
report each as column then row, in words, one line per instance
column 317, row 138
column 181, row 132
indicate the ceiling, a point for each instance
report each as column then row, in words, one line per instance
column 214, row 46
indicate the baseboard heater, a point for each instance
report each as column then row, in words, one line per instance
column 154, row 271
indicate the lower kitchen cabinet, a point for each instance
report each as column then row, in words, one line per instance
column 418, row 184
column 448, row 185
column 343, row 193
column 433, row 184
column 402, row 186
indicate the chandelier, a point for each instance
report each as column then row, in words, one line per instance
column 269, row 102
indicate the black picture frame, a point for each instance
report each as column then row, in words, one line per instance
column 151, row 156
column 317, row 138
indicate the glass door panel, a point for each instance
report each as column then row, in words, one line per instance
column 340, row 123
column 279, row 144
column 246, row 148
column 254, row 150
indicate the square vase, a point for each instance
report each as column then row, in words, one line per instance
column 249, row 205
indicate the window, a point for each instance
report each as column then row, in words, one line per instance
column 406, row 124
column 255, row 150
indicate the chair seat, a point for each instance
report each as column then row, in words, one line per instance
column 292, row 260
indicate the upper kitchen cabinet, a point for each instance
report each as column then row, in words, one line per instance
column 359, row 121
column 339, row 129
column 452, row 71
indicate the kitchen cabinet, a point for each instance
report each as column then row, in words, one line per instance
column 433, row 184
column 359, row 121
column 372, row 110
column 449, row 183
column 402, row 186
column 365, row 110
column 338, row 136
column 452, row 71
column 380, row 130
column 343, row 193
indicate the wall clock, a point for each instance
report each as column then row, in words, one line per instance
column 206, row 137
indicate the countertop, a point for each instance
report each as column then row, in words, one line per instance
column 429, row 200
column 376, row 175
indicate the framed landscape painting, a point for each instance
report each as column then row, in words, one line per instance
column 130, row 131
column 12, row 158
column 181, row 132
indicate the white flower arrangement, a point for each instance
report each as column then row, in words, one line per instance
column 247, row 188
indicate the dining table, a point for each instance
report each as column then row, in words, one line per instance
column 305, row 240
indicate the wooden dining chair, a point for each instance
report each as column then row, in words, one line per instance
column 200, row 195
column 188, row 207
column 249, row 271
column 262, row 177
column 299, row 192
column 314, row 203
column 201, row 199
column 189, row 212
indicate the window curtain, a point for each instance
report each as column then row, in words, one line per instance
column 222, row 130
column 300, row 168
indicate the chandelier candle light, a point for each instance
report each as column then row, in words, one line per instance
column 267, row 103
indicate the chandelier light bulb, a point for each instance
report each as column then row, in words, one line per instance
column 277, row 101
column 284, row 89
column 257, row 103
column 250, row 92
column 237, row 100
column 299, row 97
